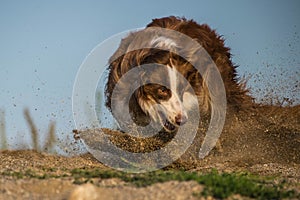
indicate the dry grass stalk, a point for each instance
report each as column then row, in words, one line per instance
column 51, row 138
column 3, row 140
column 33, row 129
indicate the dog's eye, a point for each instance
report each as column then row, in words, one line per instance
column 163, row 89
column 162, row 92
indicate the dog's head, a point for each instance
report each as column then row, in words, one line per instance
column 163, row 96
column 166, row 91
column 166, row 87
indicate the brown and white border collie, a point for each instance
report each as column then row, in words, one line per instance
column 173, row 99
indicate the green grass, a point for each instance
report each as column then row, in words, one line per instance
column 218, row 185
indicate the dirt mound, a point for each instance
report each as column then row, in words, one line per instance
column 267, row 134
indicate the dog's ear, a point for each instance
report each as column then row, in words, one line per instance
column 117, row 66
column 113, row 77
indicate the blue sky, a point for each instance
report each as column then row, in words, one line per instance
column 43, row 43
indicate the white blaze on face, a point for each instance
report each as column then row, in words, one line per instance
column 173, row 106
column 162, row 41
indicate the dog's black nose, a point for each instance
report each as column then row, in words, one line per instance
column 180, row 119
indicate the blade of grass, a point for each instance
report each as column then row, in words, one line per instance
column 51, row 138
column 3, row 140
column 33, row 129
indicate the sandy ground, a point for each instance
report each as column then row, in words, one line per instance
column 265, row 142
